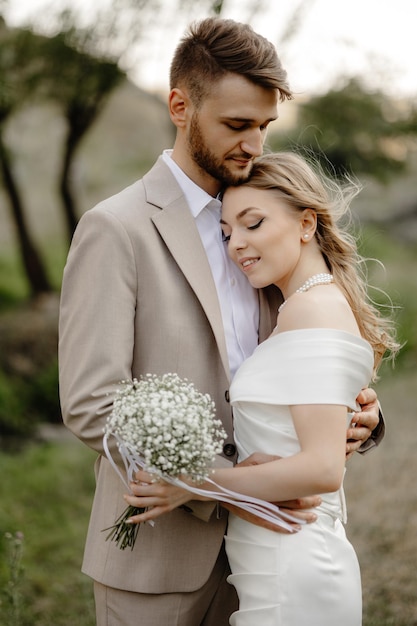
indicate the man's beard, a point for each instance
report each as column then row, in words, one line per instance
column 208, row 162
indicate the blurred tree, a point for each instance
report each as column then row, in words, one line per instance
column 358, row 131
column 19, row 73
column 77, row 66
column 81, row 84
column 80, row 67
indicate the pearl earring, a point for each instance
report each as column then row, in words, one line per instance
column 305, row 236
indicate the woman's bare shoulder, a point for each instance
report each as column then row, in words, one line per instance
column 323, row 306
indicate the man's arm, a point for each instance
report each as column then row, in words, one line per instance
column 98, row 302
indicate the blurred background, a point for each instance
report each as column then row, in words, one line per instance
column 83, row 88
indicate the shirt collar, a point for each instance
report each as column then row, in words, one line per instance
column 197, row 198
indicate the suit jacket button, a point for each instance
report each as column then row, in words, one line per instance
column 229, row 449
column 227, row 395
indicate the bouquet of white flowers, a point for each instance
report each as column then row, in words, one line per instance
column 165, row 426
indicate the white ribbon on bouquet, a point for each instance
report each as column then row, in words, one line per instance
column 261, row 508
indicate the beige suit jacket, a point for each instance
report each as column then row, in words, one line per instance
column 137, row 297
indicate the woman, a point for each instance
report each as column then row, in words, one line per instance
column 294, row 396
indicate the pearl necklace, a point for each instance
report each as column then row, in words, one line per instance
column 313, row 281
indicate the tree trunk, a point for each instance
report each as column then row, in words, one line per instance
column 32, row 262
column 65, row 185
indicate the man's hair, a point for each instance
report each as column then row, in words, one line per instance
column 214, row 47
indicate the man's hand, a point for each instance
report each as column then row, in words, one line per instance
column 363, row 422
column 299, row 508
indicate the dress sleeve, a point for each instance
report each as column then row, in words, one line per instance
column 309, row 366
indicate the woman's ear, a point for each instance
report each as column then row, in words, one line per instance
column 178, row 104
column 308, row 224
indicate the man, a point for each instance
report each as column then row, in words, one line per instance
column 148, row 288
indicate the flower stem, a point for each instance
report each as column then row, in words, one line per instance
column 122, row 533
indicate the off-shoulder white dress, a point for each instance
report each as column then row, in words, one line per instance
column 310, row 578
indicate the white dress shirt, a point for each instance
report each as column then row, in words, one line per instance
column 239, row 302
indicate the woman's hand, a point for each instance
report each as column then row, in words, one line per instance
column 156, row 496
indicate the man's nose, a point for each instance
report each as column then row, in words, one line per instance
column 253, row 142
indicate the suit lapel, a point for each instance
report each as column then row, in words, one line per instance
column 177, row 228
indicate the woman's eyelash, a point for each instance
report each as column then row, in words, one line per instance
column 226, row 238
column 255, row 226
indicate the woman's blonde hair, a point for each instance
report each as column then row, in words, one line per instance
column 303, row 185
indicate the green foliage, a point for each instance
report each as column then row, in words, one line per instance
column 16, row 425
column 13, row 287
column 43, row 394
column 38, row 67
column 399, row 295
column 356, row 131
column 25, row 403
column 19, row 70
column 28, row 370
column 78, row 81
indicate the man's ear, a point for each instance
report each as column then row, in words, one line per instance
column 178, row 105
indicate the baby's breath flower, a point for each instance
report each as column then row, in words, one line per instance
column 168, row 423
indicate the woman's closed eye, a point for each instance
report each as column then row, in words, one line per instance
column 226, row 238
column 255, row 226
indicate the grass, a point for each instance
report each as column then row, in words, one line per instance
column 47, row 497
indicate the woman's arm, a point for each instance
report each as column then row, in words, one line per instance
column 317, row 468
